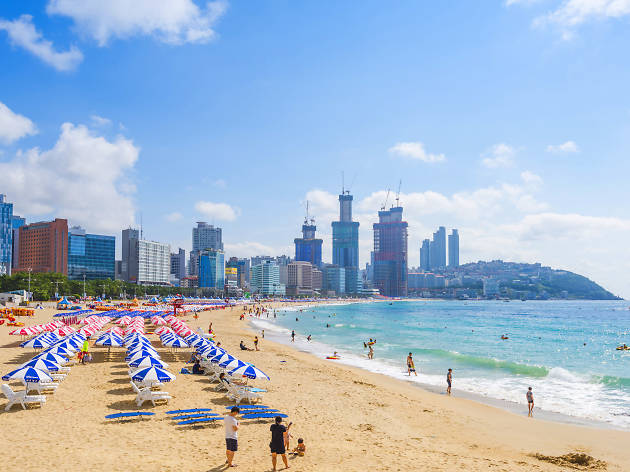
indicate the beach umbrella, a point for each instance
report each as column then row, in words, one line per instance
column 36, row 343
column 152, row 375
column 176, row 343
column 69, row 345
column 110, row 340
column 139, row 343
column 63, row 331
column 52, row 357
column 131, row 352
column 147, row 361
column 62, row 351
column 28, row 374
column 143, row 353
column 220, row 358
column 42, row 364
column 232, row 364
column 162, row 330
column 249, row 371
column 27, row 331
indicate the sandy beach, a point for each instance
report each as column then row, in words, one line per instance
column 350, row 419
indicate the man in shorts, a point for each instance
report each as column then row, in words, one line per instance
column 231, row 435
column 278, row 439
column 530, row 401
column 449, row 380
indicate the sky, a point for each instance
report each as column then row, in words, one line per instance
column 509, row 120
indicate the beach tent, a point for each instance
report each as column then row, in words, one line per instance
column 63, row 304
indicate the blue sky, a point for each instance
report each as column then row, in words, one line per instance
column 508, row 120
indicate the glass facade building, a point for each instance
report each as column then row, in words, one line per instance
column 6, row 236
column 265, row 279
column 453, row 249
column 92, row 255
column 212, row 269
column 345, row 242
column 308, row 248
column 390, row 253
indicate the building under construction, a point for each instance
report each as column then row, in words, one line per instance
column 390, row 253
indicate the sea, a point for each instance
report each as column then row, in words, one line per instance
column 564, row 350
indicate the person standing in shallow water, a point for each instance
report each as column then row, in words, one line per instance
column 293, row 336
column 530, row 401
column 449, row 380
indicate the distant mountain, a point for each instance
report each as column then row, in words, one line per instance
column 536, row 281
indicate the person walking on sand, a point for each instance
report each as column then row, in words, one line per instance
column 84, row 351
column 263, row 334
column 530, row 401
column 411, row 366
column 293, row 336
column 256, row 343
column 449, row 380
column 231, row 435
column 278, row 440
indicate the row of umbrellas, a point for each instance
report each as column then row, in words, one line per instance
column 142, row 356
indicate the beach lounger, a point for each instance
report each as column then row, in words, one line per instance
column 20, row 397
column 58, row 377
column 145, row 394
column 248, row 407
column 193, row 415
column 201, row 420
column 41, row 387
column 253, row 416
column 239, row 394
column 129, row 415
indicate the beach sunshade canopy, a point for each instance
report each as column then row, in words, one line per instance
column 52, row 357
column 249, row 371
column 60, row 350
column 142, row 353
column 176, row 343
column 36, row 343
column 28, row 374
column 220, row 358
column 43, row 364
column 148, row 361
column 152, row 375
column 232, row 364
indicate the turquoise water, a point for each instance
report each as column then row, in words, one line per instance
column 564, row 350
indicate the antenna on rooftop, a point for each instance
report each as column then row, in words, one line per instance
column 141, row 226
column 306, row 219
column 343, row 187
column 386, row 198
column 398, row 193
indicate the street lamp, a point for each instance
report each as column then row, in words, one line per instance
column 29, row 283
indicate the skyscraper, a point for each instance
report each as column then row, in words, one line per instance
column 6, row 236
column 178, row 264
column 390, row 253
column 346, row 244
column 212, row 269
column 204, row 236
column 92, row 255
column 308, row 248
column 144, row 262
column 265, row 279
column 453, row 248
column 44, row 247
column 425, row 255
column 437, row 249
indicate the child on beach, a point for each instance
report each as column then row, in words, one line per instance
column 449, row 379
column 300, row 449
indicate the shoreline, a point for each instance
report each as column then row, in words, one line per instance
column 502, row 404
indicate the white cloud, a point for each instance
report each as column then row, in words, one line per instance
column 531, row 179
column 219, row 211
column 572, row 13
column 14, row 126
column 100, row 121
column 220, row 183
column 84, row 178
column 565, row 147
column 170, row 21
column 415, row 150
column 22, row 33
column 499, row 155
column 173, row 217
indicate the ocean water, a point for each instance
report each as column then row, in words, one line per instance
column 564, row 350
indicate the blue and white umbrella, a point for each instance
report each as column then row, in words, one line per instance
column 110, row 340
column 143, row 353
column 36, row 343
column 28, row 374
column 249, row 371
column 60, row 350
column 231, row 364
column 52, row 357
column 69, row 345
column 141, row 347
column 176, row 343
column 220, row 358
column 42, row 364
column 152, row 375
column 138, row 342
column 147, row 361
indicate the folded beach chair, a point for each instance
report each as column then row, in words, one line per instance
column 41, row 387
column 145, row 394
column 248, row 407
column 20, row 397
column 194, row 415
column 57, row 377
column 201, row 420
column 131, row 414
column 253, row 416
column 191, row 410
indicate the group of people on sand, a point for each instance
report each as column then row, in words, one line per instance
column 279, row 445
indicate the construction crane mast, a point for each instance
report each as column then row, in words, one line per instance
column 398, row 193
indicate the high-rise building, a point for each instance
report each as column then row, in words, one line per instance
column 453, row 249
column 308, row 248
column 425, row 256
column 242, row 270
column 16, row 223
column 390, row 253
column 212, row 269
column 178, row 264
column 437, row 249
column 299, row 278
column 144, row 262
column 204, row 236
column 334, row 279
column 265, row 279
column 92, row 255
column 345, row 239
column 44, row 247
column 6, row 236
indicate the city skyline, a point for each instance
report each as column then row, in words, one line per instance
column 518, row 176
